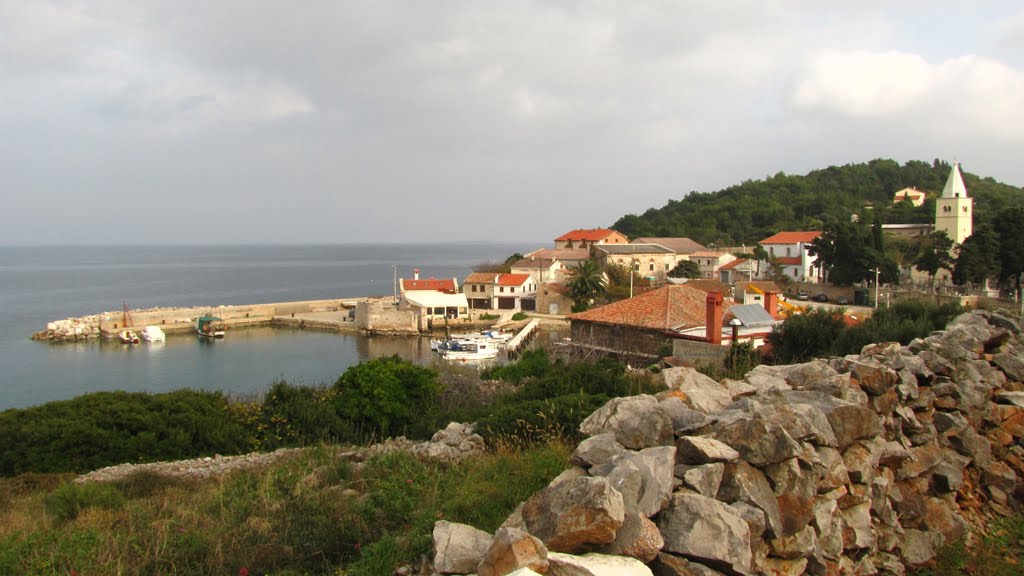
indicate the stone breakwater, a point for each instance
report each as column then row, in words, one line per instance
column 862, row 465
column 71, row 329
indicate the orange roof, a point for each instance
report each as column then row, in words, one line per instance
column 513, row 279
column 733, row 264
column 708, row 285
column 676, row 306
column 762, row 285
column 791, row 237
column 447, row 285
column 789, row 260
column 480, row 278
column 588, row 235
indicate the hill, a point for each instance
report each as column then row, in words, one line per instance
column 756, row 209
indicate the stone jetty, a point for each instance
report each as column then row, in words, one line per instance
column 864, row 464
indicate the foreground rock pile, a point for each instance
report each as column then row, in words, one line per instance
column 856, row 465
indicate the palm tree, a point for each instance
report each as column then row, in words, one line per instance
column 587, row 282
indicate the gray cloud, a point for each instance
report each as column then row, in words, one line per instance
column 408, row 121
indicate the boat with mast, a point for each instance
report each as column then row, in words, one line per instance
column 128, row 336
column 210, row 326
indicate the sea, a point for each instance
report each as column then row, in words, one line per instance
column 43, row 284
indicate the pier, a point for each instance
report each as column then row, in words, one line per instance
column 520, row 339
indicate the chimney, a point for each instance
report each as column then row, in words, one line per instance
column 713, row 330
column 771, row 304
column 415, row 273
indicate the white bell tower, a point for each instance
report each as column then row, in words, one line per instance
column 954, row 210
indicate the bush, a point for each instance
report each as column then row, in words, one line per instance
column 299, row 415
column 67, row 500
column 386, row 396
column 519, row 316
column 105, row 428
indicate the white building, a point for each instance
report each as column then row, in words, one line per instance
column 789, row 249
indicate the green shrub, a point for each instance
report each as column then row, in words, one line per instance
column 67, row 500
column 533, row 363
column 519, row 316
column 299, row 415
column 486, row 316
column 385, row 396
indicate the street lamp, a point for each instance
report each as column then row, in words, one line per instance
column 876, row 287
column 632, row 264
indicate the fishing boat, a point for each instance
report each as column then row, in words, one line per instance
column 153, row 334
column 127, row 336
column 472, row 350
column 209, row 326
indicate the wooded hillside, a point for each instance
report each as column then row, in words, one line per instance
column 756, row 209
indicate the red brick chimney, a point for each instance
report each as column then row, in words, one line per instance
column 771, row 304
column 714, row 318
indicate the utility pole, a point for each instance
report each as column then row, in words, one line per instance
column 394, row 272
column 877, row 271
column 631, row 277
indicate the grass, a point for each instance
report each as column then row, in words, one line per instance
column 314, row 514
column 1000, row 552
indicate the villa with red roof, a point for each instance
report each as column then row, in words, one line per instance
column 432, row 298
column 789, row 249
column 584, row 239
column 494, row 291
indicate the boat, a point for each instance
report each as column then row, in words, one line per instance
column 208, row 326
column 127, row 336
column 153, row 334
column 473, row 350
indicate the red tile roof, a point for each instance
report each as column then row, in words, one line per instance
column 445, row 285
column 733, row 264
column 674, row 306
column 791, row 237
column 480, row 278
column 513, row 279
column 708, row 285
column 588, row 235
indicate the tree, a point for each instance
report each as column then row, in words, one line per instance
column 978, row 258
column 587, row 282
column 385, row 395
column 935, row 255
column 685, row 269
column 1007, row 226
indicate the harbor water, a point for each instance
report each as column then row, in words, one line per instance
column 42, row 284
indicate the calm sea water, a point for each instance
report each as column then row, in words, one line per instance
column 41, row 284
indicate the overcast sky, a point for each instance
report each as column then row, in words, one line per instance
column 338, row 121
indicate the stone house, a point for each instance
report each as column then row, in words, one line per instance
column 711, row 261
column 493, row 291
column 650, row 261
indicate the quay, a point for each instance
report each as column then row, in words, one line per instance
column 362, row 314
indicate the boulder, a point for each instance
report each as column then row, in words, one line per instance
column 458, row 548
column 512, row 549
column 781, row 567
column 1012, row 364
column 707, row 530
column 744, row 483
column 595, row 565
column 704, row 479
column 684, row 419
column 575, row 515
column 637, row 538
column 873, row 377
column 644, row 478
column 760, row 442
column 857, row 532
column 798, row 545
column 596, row 450
column 671, row 565
column 704, row 450
column 917, row 547
column 700, row 392
column 636, row 421
column 849, row 421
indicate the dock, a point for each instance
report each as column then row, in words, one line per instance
column 520, row 339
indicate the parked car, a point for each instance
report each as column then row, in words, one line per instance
column 820, row 297
column 843, row 300
column 801, row 295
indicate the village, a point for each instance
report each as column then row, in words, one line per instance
column 682, row 320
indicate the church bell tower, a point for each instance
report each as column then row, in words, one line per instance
column 954, row 210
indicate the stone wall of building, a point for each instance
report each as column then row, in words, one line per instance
column 384, row 317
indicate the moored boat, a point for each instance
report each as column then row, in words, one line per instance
column 210, row 326
column 153, row 334
column 472, row 350
column 128, row 337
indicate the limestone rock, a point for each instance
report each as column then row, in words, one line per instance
column 512, row 549
column 458, row 548
column 637, row 538
column 637, row 422
column 595, row 565
column 644, row 478
column 917, row 547
column 744, row 483
column 596, row 450
column 707, row 530
column 701, row 393
column 703, row 450
column 704, row 479
column 575, row 515
column 684, row 419
column 857, row 532
column 759, row 442
column 671, row 565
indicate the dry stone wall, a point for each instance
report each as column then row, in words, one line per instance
column 857, row 465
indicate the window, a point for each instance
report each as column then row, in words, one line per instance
column 501, row 289
column 652, row 266
column 788, row 248
column 666, row 267
column 511, row 288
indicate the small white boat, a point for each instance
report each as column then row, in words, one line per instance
column 153, row 334
column 128, row 337
column 208, row 326
column 473, row 350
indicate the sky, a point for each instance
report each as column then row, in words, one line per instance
column 337, row 121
